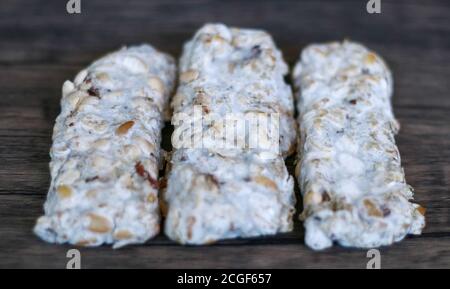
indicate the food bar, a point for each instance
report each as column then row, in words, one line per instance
column 106, row 150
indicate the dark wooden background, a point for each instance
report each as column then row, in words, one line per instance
column 41, row 46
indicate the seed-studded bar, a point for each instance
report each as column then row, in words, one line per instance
column 349, row 168
column 215, row 192
column 105, row 153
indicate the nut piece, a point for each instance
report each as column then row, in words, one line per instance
column 264, row 181
column 80, row 77
column 102, row 144
column 156, row 84
column 421, row 210
column 372, row 209
column 99, row 224
column 64, row 191
column 189, row 75
column 86, row 242
column 124, row 127
column 151, row 198
column 102, row 76
column 190, row 222
column 67, row 88
column 370, row 58
column 123, row 235
column 177, row 100
column 312, row 198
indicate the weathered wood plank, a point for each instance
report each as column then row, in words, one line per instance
column 417, row 73
column 425, row 252
column 18, row 214
column 162, row 22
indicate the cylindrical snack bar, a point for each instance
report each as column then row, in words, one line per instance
column 349, row 167
column 216, row 191
column 105, row 153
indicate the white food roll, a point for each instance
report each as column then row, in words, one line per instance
column 349, row 169
column 215, row 191
column 106, row 150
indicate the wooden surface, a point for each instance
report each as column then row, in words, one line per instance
column 41, row 46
